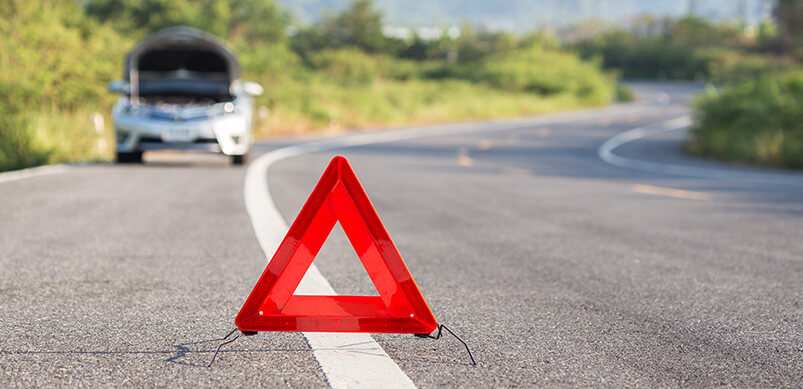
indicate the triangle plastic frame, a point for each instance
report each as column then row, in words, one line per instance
column 399, row 307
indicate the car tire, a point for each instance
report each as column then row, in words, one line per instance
column 238, row 160
column 135, row 157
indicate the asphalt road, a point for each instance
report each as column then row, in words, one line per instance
column 558, row 268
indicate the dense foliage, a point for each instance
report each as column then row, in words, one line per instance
column 688, row 49
column 755, row 113
column 789, row 14
column 754, row 121
column 49, row 87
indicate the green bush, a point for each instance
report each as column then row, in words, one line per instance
column 728, row 66
column 624, row 93
column 652, row 58
column 543, row 72
column 18, row 148
column 756, row 121
column 348, row 66
column 686, row 49
column 54, row 66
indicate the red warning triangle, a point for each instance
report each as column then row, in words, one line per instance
column 338, row 197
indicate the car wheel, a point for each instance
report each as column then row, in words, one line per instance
column 238, row 159
column 135, row 157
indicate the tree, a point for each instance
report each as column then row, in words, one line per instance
column 789, row 16
column 247, row 21
column 359, row 26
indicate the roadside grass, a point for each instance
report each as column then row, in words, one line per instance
column 55, row 62
column 347, row 88
column 757, row 121
column 321, row 106
column 40, row 138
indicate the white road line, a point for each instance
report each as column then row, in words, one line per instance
column 605, row 153
column 31, row 172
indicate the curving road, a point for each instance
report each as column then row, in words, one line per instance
column 646, row 268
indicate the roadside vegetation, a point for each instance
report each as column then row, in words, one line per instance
column 57, row 57
column 54, row 66
column 752, row 110
column 689, row 48
column 757, row 121
column 345, row 71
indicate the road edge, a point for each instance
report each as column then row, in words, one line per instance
column 606, row 153
column 35, row 171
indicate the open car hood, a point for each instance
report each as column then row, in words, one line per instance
column 182, row 49
column 180, row 65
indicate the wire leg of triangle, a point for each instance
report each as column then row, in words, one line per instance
column 225, row 342
column 442, row 327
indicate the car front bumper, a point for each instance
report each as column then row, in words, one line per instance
column 228, row 134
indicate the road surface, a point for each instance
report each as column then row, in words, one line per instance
column 558, row 268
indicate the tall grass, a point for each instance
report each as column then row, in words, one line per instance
column 347, row 88
column 324, row 106
column 43, row 137
column 54, row 65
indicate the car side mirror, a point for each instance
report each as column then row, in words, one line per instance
column 252, row 88
column 118, row 86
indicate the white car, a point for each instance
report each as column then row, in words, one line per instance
column 182, row 91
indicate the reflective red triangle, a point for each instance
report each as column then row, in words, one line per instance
column 338, row 197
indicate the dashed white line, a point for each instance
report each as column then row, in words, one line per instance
column 463, row 159
column 670, row 192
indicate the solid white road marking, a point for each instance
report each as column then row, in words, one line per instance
column 31, row 172
column 605, row 153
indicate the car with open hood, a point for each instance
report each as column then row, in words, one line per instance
column 181, row 90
